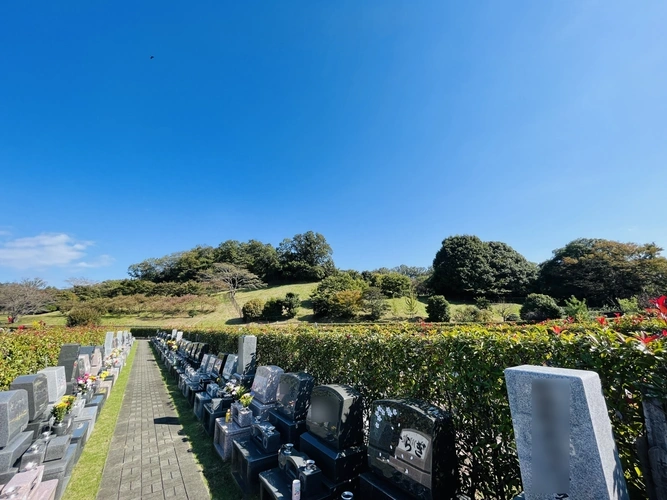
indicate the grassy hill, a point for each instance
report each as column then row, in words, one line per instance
column 225, row 313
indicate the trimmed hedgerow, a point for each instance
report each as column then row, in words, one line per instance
column 24, row 351
column 461, row 369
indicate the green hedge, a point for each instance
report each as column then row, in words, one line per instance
column 29, row 350
column 461, row 369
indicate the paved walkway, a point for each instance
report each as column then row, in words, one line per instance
column 148, row 458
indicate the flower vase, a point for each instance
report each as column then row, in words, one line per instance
column 60, row 428
column 244, row 417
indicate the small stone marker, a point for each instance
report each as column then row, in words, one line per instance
column 563, row 435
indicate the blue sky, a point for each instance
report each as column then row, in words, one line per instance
column 384, row 125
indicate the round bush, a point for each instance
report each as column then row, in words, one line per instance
column 84, row 316
column 438, row 309
column 252, row 310
column 539, row 307
column 472, row 314
column 513, row 317
column 273, row 309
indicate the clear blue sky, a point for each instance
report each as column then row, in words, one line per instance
column 384, row 125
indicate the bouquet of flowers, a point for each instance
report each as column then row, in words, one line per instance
column 59, row 411
column 84, row 383
column 234, row 390
column 68, row 401
column 103, row 375
column 246, row 399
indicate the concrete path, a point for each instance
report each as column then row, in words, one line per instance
column 148, row 458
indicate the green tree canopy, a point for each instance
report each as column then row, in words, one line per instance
column 466, row 267
column 306, row 257
column 603, row 271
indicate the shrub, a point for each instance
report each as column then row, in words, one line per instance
column 375, row 303
column 347, row 304
column 438, row 309
column 323, row 297
column 538, row 307
column 273, row 309
column 291, row 305
column 84, row 316
column 629, row 306
column 483, row 303
column 252, row 310
column 472, row 314
column 577, row 309
column 513, row 317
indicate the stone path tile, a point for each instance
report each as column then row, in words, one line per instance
column 148, row 458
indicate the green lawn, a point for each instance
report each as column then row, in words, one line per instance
column 225, row 313
column 87, row 474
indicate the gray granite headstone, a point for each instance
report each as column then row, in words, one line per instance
column 265, row 384
column 563, row 435
column 108, row 344
column 14, row 414
column 57, row 384
column 247, row 355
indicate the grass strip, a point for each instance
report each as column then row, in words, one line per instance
column 217, row 473
column 87, row 475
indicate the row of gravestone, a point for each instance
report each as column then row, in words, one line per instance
column 295, row 436
column 38, row 446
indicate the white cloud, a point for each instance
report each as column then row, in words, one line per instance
column 47, row 250
column 101, row 261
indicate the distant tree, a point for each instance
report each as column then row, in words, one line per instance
column 28, row 296
column 513, row 275
column 231, row 279
column 461, row 268
column 306, row 257
column 395, row 284
column 603, row 271
column 375, row 303
column 411, row 304
column 505, row 310
column 466, row 266
column 81, row 281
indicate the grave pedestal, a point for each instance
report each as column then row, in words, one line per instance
column 88, row 415
column 201, row 399
column 290, row 430
column 248, row 461
column 61, row 470
column 96, row 402
column 225, row 434
column 338, row 466
column 14, row 449
column 214, row 410
column 372, row 486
